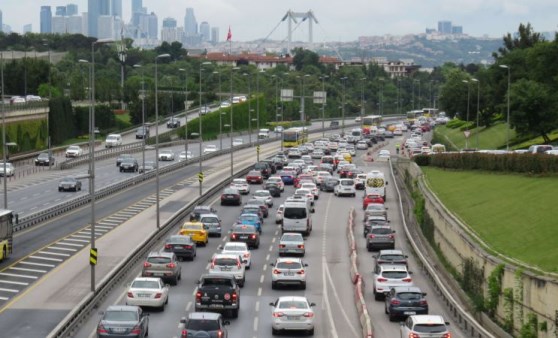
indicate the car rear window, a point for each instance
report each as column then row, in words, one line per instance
column 121, row 316
column 158, row 260
column 409, row 295
column 145, row 284
column 392, row 257
column 295, row 213
column 210, row 220
column 244, row 230
column 225, row 261
column 292, row 304
column 217, row 281
column 381, row 231
column 202, row 325
column 291, row 238
column 347, row 182
column 288, row 265
column 394, row 274
column 430, row 328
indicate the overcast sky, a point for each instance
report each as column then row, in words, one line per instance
column 339, row 20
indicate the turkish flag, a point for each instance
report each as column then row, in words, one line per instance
column 229, row 34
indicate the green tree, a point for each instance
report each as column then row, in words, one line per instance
column 526, row 38
column 304, row 57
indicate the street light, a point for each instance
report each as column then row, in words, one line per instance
column 478, row 111
column 160, row 56
column 323, row 104
column 255, row 120
column 362, row 79
column 258, row 100
column 467, row 118
column 49, row 98
column 142, row 96
column 5, row 152
column 4, row 130
column 220, row 117
column 302, row 114
column 231, row 123
column 230, row 131
column 250, row 110
column 508, row 115
column 200, row 120
column 381, row 101
column 185, row 113
column 199, row 157
column 343, row 79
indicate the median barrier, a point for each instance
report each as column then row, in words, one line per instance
column 355, row 275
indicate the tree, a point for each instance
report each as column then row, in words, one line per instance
column 304, row 57
column 527, row 38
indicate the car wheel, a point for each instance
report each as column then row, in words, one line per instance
column 303, row 286
column 147, row 331
column 274, row 331
column 242, row 282
column 248, row 266
column 377, row 295
column 369, row 248
column 234, row 313
column 175, row 281
column 311, row 332
column 162, row 308
column 273, row 285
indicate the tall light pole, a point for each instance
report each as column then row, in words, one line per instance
column 362, row 80
column 258, row 100
column 467, row 118
column 381, row 96
column 49, row 98
column 508, row 115
column 276, row 79
column 160, row 56
column 419, row 95
column 323, row 104
column 344, row 80
column 399, row 96
column 478, row 111
column 220, row 114
column 200, row 120
column 4, row 133
column 302, row 113
column 231, row 122
column 142, row 97
column 249, row 107
column 185, row 112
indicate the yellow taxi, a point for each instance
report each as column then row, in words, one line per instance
column 347, row 157
column 196, row 231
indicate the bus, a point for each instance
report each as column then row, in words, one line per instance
column 430, row 112
column 293, row 137
column 413, row 115
column 370, row 121
column 6, row 233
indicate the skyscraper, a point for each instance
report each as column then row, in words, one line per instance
column 46, row 19
column 60, row 11
column 169, row 23
column 74, row 24
column 93, row 13
column 59, row 24
column 215, row 35
column 117, row 8
column 148, row 26
column 205, row 31
column 104, row 7
column 190, row 23
column 136, row 6
column 27, row 28
column 444, row 27
column 71, row 9
column 106, row 27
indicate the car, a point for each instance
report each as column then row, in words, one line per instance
column 307, row 159
column 291, row 243
column 264, row 168
column 303, row 150
column 241, row 249
column 205, row 110
column 344, row 170
column 294, row 153
column 307, row 193
column 255, row 177
column 182, row 246
column 210, row 148
column 360, row 180
column 225, row 104
column 10, row 169
column 329, row 184
column 253, row 209
column 241, row 185
column 149, row 166
column 278, row 181
column 278, row 129
column 375, row 209
column 166, row 155
column 123, row 321
column 74, row 151
column 273, row 188
column 231, row 196
column 142, row 133
column 265, row 196
column 351, row 150
column 425, row 325
column 358, row 119
column 173, row 122
column 44, row 159
column 387, row 276
column 279, row 214
column 237, row 142
column 200, row 210
column 196, row 230
column 292, row 313
column 129, row 164
column 403, row 301
column 320, row 176
column 362, row 145
column 384, row 155
column 391, row 257
column 372, row 221
column 288, row 271
column 247, row 234
column 228, row 265
column 163, row 265
column 113, row 140
column 185, row 155
column 121, row 157
column 148, row 292
column 303, row 177
column 313, row 188
column 371, row 198
column 346, row 186
column 69, row 184
column 380, row 237
column 203, row 324
column 212, row 224
column 334, row 124
column 250, row 219
column 287, row 176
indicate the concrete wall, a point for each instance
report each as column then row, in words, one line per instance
column 458, row 243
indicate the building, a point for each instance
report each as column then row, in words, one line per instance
column 84, row 23
column 190, row 23
column 60, row 11
column 457, row 30
column 137, row 5
column 169, row 23
column 58, row 24
column 205, row 31
column 116, row 8
column 215, row 35
column 46, row 19
column 444, row 27
column 71, row 9
column 93, row 13
column 106, row 27
column 1, row 23
column 261, row 61
column 27, row 28
column 105, row 7
column 74, row 24
column 148, row 26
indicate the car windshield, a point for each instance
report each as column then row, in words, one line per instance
column 234, row 247
column 68, row 180
column 217, row 281
column 381, row 231
column 239, row 181
column 430, row 328
column 262, row 194
column 308, row 186
column 409, row 295
column 288, row 265
column 210, row 220
column 128, row 160
column 225, row 261
column 293, row 304
column 392, row 257
column 202, row 325
column 254, row 210
column 165, row 152
column 73, row 148
column 145, row 284
column 121, row 316
column 394, row 274
column 295, row 213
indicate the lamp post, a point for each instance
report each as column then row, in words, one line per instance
column 344, row 80
column 249, row 107
column 362, row 79
column 419, row 95
column 381, row 96
column 478, row 112
column 200, row 120
column 160, row 56
column 199, row 156
column 185, row 112
column 467, row 118
column 302, row 113
column 231, row 122
column 220, row 117
column 276, row 79
column 49, row 98
column 323, row 104
column 4, row 131
column 258, row 101
column 230, row 131
column 142, row 97
column 508, row 114
column 258, row 153
column 399, row 96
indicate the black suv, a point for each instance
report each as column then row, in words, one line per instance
column 264, row 168
column 142, row 132
column 204, row 322
column 173, row 122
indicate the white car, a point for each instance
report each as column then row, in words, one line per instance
column 10, row 169
column 241, row 185
column 185, row 155
column 313, row 188
column 288, row 271
column 292, row 313
column 74, row 151
column 346, row 186
column 225, row 104
column 278, row 181
column 362, row 145
column 305, row 193
column 264, row 195
column 384, row 155
column 358, row 119
column 419, row 325
column 148, row 291
column 278, row 129
column 279, row 214
column 317, row 154
column 228, row 264
column 241, row 249
column 321, row 176
column 387, row 276
column 204, row 110
column 351, row 150
column 166, row 155
column 291, row 243
column 210, row 148
column 237, row 142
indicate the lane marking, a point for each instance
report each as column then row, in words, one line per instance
column 259, row 292
column 46, row 259
column 324, row 280
column 28, row 270
column 70, row 244
column 188, row 306
column 54, row 253
column 257, row 307
column 9, row 290
column 267, row 257
column 17, row 276
column 63, row 249
column 38, row 264
column 255, row 324
column 14, row 283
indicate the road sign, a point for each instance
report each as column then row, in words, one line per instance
column 287, row 95
column 200, row 177
column 93, row 256
column 258, row 148
column 320, row 97
column 467, row 133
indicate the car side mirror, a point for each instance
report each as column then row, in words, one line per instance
column 167, row 285
column 312, row 304
column 305, row 264
column 424, row 294
column 386, row 183
column 410, row 272
column 313, row 210
column 226, row 322
column 198, row 281
column 145, row 314
column 101, row 313
column 401, row 323
column 220, row 247
column 393, row 231
column 183, row 320
column 406, row 256
column 447, row 323
column 272, row 264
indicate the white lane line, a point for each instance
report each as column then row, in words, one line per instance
column 265, row 267
column 13, row 283
column 38, row 264
column 338, row 300
column 270, row 248
column 188, row 306
column 97, row 227
column 224, row 239
column 81, row 236
column 54, row 253
column 70, row 244
column 28, row 270
column 17, row 276
column 257, row 306
column 262, row 278
column 108, row 222
column 267, row 257
column 46, row 258
column 9, row 290
column 324, row 284
column 273, row 240
column 259, row 292
column 4, row 298
column 255, row 327
column 64, row 249
column 276, row 232
column 76, row 240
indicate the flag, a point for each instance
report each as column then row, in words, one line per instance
column 229, row 34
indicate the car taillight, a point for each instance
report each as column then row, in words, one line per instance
column 408, row 279
column 276, row 272
column 301, row 246
column 184, row 333
column 171, row 265
column 198, row 296
column 413, row 335
column 395, row 302
column 278, row 314
column 446, row 335
column 187, row 247
column 308, row 314
column 220, row 334
column 253, row 236
column 246, row 255
column 222, row 197
column 158, row 295
column 300, row 272
column 371, row 236
column 238, row 263
column 168, row 246
column 380, row 279
column 130, row 295
column 233, row 236
column 146, row 265
column 101, row 329
column 423, row 302
column 392, row 236
column 281, row 246
column 136, row 330
column 212, row 265
column 234, row 296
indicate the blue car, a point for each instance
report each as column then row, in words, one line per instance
column 251, row 219
column 287, row 177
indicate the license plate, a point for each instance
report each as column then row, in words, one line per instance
column 409, row 313
column 243, row 237
column 292, row 317
column 289, row 273
column 158, row 274
column 218, row 306
column 178, row 246
column 143, row 295
column 119, row 329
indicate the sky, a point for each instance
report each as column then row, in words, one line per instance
column 339, row 20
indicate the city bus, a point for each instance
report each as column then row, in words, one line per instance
column 293, row 137
column 430, row 112
column 370, row 121
column 6, row 233
column 413, row 115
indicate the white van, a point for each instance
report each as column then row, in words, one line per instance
column 263, row 134
column 375, row 183
column 113, row 140
column 297, row 217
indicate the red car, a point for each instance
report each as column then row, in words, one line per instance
column 301, row 178
column 254, row 176
column 371, row 198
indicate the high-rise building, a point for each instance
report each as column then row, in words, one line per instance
column 137, row 5
column 1, row 23
column 60, row 11
column 74, row 24
column 46, row 19
column 190, row 23
column 93, row 13
column 215, row 35
column 71, row 9
column 169, row 23
column 27, row 28
column 117, row 8
column 84, row 23
column 105, row 7
column 106, row 27
column 59, row 24
column 457, row 29
column 205, row 31
column 444, row 27
column 169, row 34
column 148, row 26
column 137, row 15
column 6, row 29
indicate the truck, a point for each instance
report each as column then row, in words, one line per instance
column 218, row 293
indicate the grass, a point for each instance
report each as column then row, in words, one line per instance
column 513, row 214
column 124, row 118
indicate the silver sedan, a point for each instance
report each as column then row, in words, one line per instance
column 291, row 244
column 292, row 313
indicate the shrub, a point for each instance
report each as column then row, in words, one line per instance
column 422, row 160
column 540, row 164
column 455, row 123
